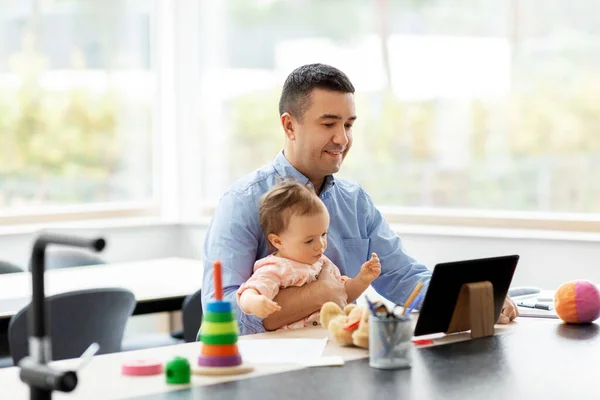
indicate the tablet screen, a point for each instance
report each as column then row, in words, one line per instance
column 447, row 280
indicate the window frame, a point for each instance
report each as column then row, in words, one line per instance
column 82, row 212
column 495, row 219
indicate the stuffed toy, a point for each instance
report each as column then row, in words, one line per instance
column 349, row 326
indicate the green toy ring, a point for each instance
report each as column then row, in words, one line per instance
column 229, row 338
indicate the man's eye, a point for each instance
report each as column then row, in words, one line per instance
column 309, row 242
column 348, row 126
column 328, row 125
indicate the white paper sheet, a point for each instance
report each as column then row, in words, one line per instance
column 281, row 351
column 331, row 361
column 536, row 313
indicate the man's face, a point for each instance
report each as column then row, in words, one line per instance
column 323, row 136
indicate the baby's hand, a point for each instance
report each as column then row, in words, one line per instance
column 262, row 306
column 370, row 270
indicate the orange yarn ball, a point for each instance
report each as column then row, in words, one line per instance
column 577, row 302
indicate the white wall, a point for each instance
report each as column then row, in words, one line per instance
column 544, row 262
column 124, row 242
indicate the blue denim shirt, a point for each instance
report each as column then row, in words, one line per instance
column 356, row 230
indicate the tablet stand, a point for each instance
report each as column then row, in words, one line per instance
column 474, row 310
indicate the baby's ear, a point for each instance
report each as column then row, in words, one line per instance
column 274, row 240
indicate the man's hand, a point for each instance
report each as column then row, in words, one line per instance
column 331, row 289
column 509, row 311
column 370, row 270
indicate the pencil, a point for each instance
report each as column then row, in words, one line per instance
column 412, row 296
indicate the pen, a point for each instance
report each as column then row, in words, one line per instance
column 539, row 306
column 371, row 306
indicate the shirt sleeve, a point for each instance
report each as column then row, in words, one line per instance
column 267, row 279
column 233, row 238
column 400, row 273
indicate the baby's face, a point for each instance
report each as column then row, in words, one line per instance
column 305, row 238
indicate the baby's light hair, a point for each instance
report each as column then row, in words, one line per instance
column 287, row 198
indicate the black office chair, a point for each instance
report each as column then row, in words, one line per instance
column 67, row 258
column 151, row 340
column 8, row 268
column 192, row 316
column 78, row 319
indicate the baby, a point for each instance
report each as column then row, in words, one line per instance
column 295, row 222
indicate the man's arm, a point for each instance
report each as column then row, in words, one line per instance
column 299, row 302
column 399, row 272
column 233, row 239
column 294, row 302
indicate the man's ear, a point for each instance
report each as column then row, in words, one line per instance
column 289, row 125
column 275, row 241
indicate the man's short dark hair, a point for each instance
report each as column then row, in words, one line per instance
column 295, row 97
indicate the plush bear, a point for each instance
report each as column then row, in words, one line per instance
column 349, row 326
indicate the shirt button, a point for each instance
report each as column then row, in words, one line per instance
column 315, row 323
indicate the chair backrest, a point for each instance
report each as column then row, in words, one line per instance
column 8, row 268
column 77, row 319
column 192, row 316
column 67, row 258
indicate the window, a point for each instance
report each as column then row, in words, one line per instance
column 474, row 107
column 470, row 111
column 77, row 98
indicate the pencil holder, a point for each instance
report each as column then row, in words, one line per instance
column 390, row 342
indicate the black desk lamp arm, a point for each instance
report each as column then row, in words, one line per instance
column 41, row 378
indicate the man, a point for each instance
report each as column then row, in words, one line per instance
column 317, row 113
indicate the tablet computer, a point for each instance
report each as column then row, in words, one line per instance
column 447, row 279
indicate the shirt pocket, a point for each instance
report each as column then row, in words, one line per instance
column 356, row 253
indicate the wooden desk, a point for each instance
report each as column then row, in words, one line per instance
column 159, row 285
column 527, row 359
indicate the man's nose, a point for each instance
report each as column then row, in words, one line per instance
column 341, row 137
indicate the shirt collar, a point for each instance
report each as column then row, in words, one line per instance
column 285, row 169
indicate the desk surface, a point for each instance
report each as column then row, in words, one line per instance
column 527, row 359
column 102, row 378
column 540, row 359
column 149, row 280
